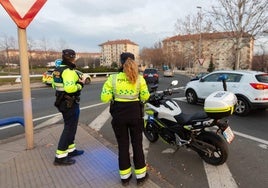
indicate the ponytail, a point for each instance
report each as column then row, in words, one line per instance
column 131, row 70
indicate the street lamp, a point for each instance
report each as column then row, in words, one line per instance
column 200, row 37
column 200, row 28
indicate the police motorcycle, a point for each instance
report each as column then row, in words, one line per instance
column 205, row 132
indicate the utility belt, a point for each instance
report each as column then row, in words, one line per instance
column 69, row 100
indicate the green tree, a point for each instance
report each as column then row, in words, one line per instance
column 211, row 66
column 114, row 65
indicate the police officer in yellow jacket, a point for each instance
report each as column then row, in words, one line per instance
column 126, row 90
column 68, row 86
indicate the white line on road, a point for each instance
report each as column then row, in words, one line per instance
column 219, row 176
column 251, row 137
column 180, row 99
column 18, row 100
column 49, row 116
column 99, row 121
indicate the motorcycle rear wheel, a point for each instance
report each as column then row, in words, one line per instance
column 217, row 153
column 150, row 132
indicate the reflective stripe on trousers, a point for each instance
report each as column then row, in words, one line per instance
column 140, row 173
column 62, row 154
column 125, row 174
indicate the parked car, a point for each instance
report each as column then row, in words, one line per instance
column 47, row 77
column 86, row 77
column 250, row 88
column 151, row 76
column 168, row 73
column 199, row 75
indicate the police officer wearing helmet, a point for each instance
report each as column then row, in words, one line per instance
column 125, row 91
column 68, row 86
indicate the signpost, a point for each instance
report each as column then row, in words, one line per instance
column 22, row 12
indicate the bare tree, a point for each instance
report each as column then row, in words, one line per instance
column 44, row 44
column 31, row 46
column 153, row 56
column 241, row 17
column 191, row 24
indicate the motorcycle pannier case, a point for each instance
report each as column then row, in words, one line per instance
column 220, row 104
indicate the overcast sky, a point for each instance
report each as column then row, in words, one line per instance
column 84, row 24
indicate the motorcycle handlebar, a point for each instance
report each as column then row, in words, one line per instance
column 154, row 96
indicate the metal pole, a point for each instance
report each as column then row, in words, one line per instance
column 200, row 37
column 26, row 89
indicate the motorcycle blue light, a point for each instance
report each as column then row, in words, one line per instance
column 150, row 118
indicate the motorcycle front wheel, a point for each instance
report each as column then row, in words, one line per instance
column 214, row 148
column 150, row 132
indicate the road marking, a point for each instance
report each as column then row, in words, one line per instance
column 54, row 120
column 219, row 176
column 18, row 100
column 180, row 99
column 50, row 121
column 251, row 138
column 99, row 121
column 169, row 150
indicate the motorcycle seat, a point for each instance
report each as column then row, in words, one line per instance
column 191, row 118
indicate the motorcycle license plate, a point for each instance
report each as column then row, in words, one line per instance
column 228, row 134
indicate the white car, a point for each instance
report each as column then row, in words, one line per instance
column 47, row 77
column 250, row 88
column 85, row 77
column 168, row 73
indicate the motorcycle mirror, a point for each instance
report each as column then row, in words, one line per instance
column 174, row 82
column 223, row 77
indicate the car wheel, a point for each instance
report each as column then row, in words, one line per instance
column 87, row 81
column 242, row 107
column 191, row 96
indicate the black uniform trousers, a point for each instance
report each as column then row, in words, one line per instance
column 128, row 124
column 70, row 117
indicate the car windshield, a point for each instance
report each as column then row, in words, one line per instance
column 148, row 71
column 262, row 78
column 49, row 72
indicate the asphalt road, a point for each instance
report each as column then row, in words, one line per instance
column 246, row 166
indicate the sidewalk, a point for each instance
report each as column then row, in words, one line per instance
column 97, row 167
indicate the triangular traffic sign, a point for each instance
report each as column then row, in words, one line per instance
column 201, row 61
column 22, row 11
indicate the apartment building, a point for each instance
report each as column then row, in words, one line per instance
column 198, row 50
column 111, row 50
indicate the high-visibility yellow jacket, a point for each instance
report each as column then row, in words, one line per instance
column 66, row 79
column 118, row 88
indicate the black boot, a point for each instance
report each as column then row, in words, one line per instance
column 141, row 181
column 125, row 182
column 75, row 153
column 64, row 161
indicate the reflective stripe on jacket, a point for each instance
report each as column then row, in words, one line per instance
column 65, row 79
column 118, row 88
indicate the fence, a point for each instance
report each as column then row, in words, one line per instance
column 17, row 77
